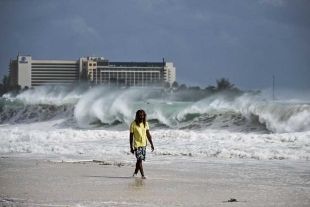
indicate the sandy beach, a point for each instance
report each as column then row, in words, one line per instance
column 213, row 182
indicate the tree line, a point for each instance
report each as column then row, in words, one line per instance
column 181, row 91
column 193, row 93
column 6, row 88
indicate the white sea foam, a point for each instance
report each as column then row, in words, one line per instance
column 106, row 106
column 95, row 123
column 51, row 95
column 101, row 105
column 205, row 143
column 279, row 117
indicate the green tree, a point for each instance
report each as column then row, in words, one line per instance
column 223, row 84
column 210, row 89
column 5, row 86
column 175, row 84
column 182, row 87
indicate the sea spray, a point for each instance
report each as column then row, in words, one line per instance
column 94, row 124
column 105, row 108
column 279, row 117
column 172, row 143
column 51, row 95
column 106, row 105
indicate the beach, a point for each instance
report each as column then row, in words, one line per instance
column 215, row 95
column 170, row 182
column 61, row 148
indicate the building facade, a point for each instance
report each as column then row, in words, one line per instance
column 33, row 73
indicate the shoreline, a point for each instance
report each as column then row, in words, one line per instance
column 212, row 182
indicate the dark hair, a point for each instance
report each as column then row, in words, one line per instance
column 137, row 120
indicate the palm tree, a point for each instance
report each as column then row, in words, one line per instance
column 223, row 84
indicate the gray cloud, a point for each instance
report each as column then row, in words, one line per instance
column 245, row 41
column 272, row 2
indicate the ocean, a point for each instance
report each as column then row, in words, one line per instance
column 55, row 123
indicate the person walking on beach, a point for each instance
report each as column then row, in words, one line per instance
column 139, row 131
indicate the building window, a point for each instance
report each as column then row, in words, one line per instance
column 90, row 64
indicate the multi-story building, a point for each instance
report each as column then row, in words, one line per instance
column 32, row 73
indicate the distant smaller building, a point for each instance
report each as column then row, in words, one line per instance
column 25, row 71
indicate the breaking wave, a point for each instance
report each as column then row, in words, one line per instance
column 105, row 108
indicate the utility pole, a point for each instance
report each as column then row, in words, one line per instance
column 273, row 98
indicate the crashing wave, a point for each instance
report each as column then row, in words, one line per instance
column 102, row 107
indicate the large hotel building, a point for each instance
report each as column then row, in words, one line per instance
column 26, row 71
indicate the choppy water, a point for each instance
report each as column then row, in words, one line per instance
column 53, row 121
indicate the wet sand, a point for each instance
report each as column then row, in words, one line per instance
column 185, row 182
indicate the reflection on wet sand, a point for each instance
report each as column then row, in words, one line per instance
column 137, row 184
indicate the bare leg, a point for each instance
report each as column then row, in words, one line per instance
column 139, row 167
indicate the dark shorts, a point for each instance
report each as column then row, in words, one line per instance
column 140, row 153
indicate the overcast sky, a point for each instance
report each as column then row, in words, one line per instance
column 246, row 41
